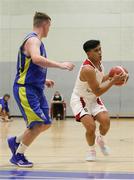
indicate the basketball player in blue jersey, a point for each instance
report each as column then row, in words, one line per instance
column 4, row 109
column 29, row 86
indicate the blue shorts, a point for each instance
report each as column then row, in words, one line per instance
column 32, row 104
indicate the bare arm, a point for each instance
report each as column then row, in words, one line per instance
column 88, row 75
column 32, row 48
column 105, row 78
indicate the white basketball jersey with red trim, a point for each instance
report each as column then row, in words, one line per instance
column 81, row 88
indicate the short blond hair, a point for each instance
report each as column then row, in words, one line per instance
column 40, row 17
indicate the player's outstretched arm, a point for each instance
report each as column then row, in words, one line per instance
column 106, row 78
column 32, row 47
column 88, row 74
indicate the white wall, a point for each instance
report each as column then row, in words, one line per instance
column 73, row 22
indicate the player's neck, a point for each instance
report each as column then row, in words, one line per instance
column 96, row 63
column 38, row 32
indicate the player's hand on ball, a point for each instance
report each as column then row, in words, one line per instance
column 122, row 77
column 49, row 83
column 119, row 78
column 67, row 65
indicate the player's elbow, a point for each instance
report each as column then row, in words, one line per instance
column 97, row 92
column 35, row 59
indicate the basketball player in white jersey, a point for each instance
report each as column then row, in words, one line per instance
column 86, row 104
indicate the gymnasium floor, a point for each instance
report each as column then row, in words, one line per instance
column 60, row 152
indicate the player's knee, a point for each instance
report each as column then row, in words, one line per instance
column 41, row 127
column 107, row 124
column 45, row 127
column 105, row 127
column 90, row 128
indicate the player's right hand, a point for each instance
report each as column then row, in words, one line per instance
column 118, row 78
column 67, row 65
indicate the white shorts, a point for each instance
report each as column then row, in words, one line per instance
column 82, row 106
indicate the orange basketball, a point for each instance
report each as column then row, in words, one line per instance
column 118, row 70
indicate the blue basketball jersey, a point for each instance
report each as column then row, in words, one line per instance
column 4, row 104
column 29, row 73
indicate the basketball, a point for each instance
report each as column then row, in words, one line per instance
column 118, row 70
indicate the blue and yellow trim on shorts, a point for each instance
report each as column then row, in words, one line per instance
column 30, row 114
column 31, row 111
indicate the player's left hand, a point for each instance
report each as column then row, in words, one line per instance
column 49, row 83
column 126, row 77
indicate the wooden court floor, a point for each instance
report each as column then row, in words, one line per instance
column 63, row 147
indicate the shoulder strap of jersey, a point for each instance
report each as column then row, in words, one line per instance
column 88, row 62
column 32, row 34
